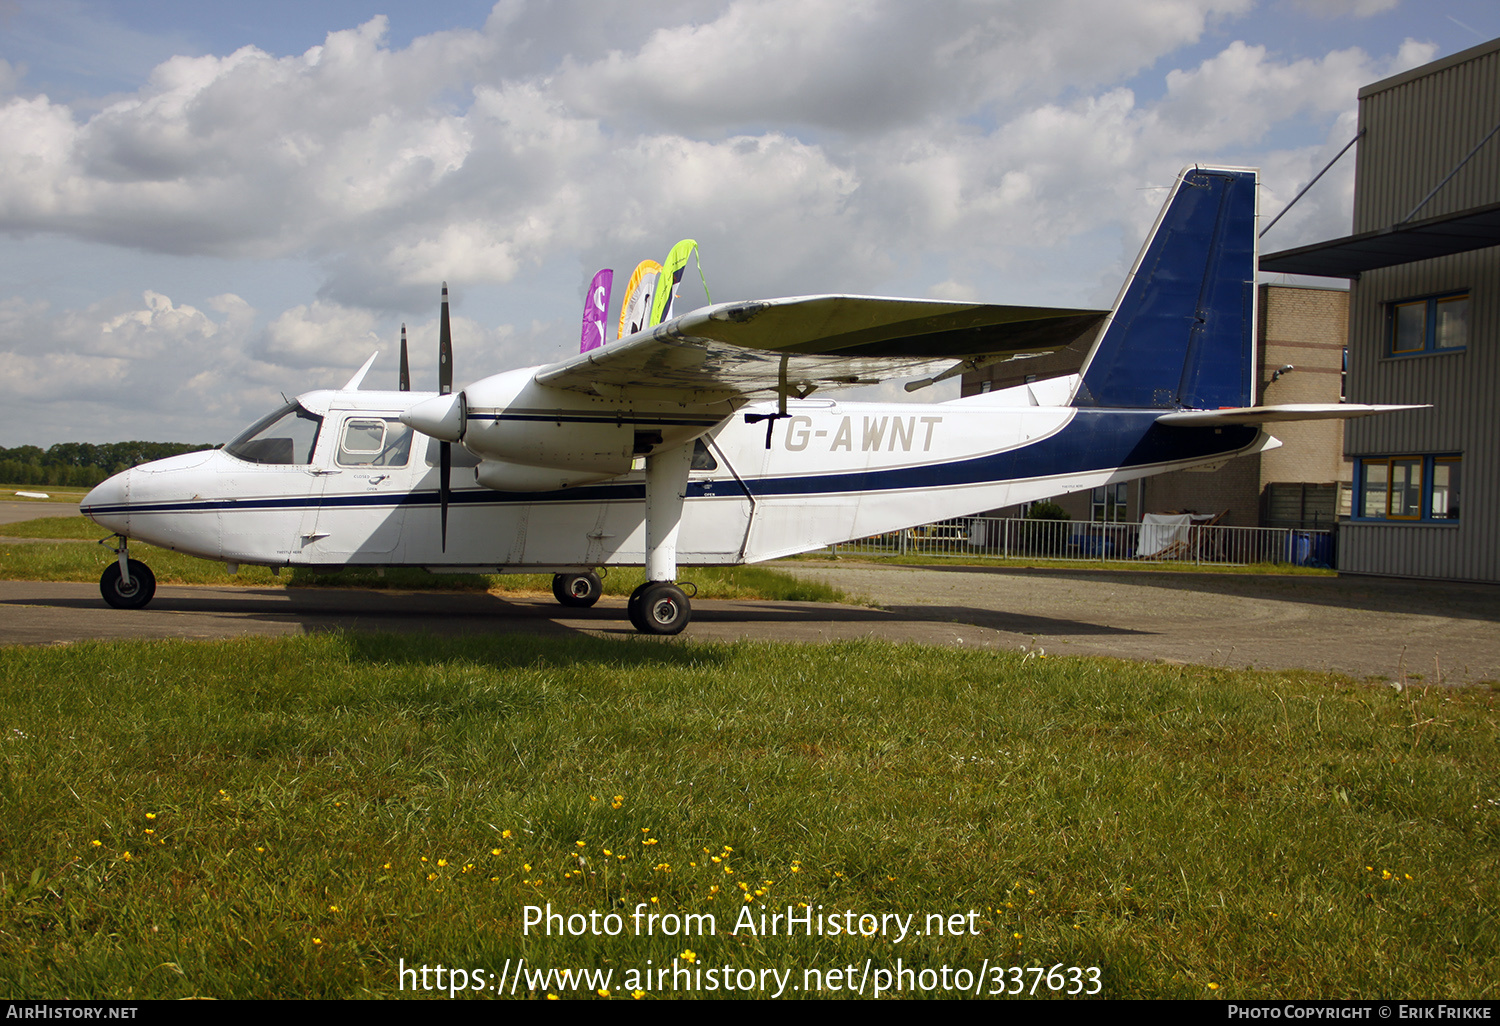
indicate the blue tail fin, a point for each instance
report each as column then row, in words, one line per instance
column 1182, row 334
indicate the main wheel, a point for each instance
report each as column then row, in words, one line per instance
column 577, row 590
column 133, row 596
column 659, row 607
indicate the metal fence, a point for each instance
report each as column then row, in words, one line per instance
column 995, row 537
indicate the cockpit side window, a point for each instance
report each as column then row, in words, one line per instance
column 372, row 442
column 286, row 437
column 702, row 458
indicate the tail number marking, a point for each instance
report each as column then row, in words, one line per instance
column 876, row 433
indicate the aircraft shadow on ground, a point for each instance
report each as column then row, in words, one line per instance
column 451, row 614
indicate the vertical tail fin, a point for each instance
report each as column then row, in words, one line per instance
column 1182, row 333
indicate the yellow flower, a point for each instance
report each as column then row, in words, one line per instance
column 505, row 835
column 637, row 994
column 442, row 862
column 494, row 851
column 333, row 908
column 150, row 815
column 604, row 992
column 317, row 940
column 97, row 844
column 1213, row 986
column 125, row 856
column 689, row 955
column 579, row 843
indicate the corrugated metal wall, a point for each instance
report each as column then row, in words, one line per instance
column 1418, row 126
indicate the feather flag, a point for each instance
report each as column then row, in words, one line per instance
column 595, row 309
column 671, row 279
column 636, row 307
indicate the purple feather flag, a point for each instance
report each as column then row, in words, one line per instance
column 594, row 309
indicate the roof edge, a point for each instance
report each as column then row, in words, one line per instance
column 1441, row 64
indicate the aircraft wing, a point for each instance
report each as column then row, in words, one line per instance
column 758, row 349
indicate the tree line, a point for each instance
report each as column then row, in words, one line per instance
column 82, row 464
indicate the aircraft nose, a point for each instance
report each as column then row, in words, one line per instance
column 108, row 504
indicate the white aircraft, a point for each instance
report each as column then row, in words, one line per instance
column 695, row 442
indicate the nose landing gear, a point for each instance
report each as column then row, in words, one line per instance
column 126, row 583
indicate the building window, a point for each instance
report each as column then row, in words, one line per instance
column 1108, row 504
column 1435, row 324
column 1410, row 488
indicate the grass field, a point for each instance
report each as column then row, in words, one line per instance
column 303, row 817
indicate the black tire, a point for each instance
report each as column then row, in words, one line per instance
column 577, row 590
column 142, row 586
column 659, row 607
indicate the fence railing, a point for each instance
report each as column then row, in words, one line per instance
column 995, row 537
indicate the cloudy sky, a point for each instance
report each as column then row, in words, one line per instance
column 205, row 205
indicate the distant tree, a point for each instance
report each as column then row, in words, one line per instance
column 82, row 464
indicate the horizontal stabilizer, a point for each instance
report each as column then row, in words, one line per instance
column 1274, row 414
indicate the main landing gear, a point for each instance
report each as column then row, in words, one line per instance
column 577, row 590
column 126, row 583
column 659, row 607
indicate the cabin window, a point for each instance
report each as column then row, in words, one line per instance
column 1434, row 324
column 284, row 438
column 371, row 442
column 1411, row 488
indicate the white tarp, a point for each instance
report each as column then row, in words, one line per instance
column 1160, row 531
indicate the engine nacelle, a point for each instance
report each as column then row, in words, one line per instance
column 510, row 420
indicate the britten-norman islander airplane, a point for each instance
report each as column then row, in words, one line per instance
column 696, row 442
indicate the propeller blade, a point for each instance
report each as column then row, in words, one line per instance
column 445, row 349
column 445, row 387
column 405, row 384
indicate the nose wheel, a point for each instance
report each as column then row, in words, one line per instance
column 127, row 593
column 659, row 607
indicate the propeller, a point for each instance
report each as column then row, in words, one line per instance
column 442, row 417
column 445, row 387
column 405, row 383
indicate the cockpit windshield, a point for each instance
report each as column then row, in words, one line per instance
column 287, row 436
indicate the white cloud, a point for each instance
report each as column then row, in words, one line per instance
column 1000, row 150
